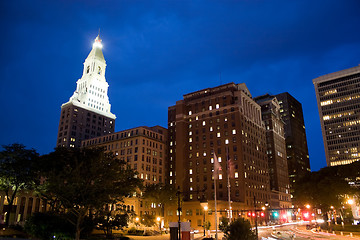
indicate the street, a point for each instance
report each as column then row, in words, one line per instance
column 295, row 232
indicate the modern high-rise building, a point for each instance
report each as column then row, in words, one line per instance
column 276, row 151
column 295, row 137
column 224, row 121
column 338, row 98
column 145, row 150
column 87, row 113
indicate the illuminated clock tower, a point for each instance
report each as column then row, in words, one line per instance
column 87, row 113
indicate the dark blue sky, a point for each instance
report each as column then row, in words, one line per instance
column 156, row 51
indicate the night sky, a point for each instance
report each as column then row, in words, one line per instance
column 157, row 51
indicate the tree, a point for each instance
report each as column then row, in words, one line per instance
column 81, row 181
column 107, row 219
column 17, row 172
column 224, row 223
column 148, row 220
column 47, row 225
column 324, row 188
column 239, row 229
column 161, row 194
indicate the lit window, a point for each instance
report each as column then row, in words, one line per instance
column 190, row 171
column 237, row 175
column 191, row 179
column 212, row 160
column 217, row 106
column 170, row 181
column 170, row 173
column 190, row 139
column 204, row 154
column 218, row 134
column 226, row 141
column 204, row 123
column 219, row 159
column 190, row 133
column 220, row 176
column 233, row 131
column 190, row 113
column 210, row 107
column 211, row 129
column 191, row 188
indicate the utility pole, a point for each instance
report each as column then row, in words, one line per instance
column 256, row 227
column 179, row 211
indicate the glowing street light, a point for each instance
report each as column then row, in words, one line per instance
column 307, row 206
column 350, row 201
column 205, row 209
column 159, row 219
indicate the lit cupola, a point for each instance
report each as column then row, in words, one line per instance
column 92, row 89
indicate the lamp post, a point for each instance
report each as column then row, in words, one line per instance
column 256, row 227
column 179, row 211
column 267, row 215
column 159, row 222
column 205, row 209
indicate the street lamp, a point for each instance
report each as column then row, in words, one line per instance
column 205, row 209
column 350, row 201
column 159, row 219
column 307, row 206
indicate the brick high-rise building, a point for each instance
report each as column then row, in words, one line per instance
column 338, row 98
column 276, row 151
column 224, row 120
column 87, row 114
column 295, row 137
column 145, row 150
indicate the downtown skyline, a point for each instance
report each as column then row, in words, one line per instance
column 157, row 51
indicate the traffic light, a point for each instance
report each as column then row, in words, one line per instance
column 275, row 214
column 262, row 214
column 306, row 215
column 249, row 214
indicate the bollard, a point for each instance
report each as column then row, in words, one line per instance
column 341, row 233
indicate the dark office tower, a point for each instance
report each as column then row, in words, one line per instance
column 87, row 113
column 295, row 136
column 276, row 151
column 338, row 98
column 225, row 121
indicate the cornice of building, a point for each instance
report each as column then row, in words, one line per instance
column 338, row 74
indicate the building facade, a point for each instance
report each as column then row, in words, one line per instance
column 87, row 113
column 145, row 150
column 224, row 121
column 295, row 137
column 338, row 98
column 276, row 151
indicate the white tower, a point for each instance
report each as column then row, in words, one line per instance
column 87, row 113
column 91, row 90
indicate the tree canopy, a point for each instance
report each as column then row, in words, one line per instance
column 327, row 187
column 17, row 171
column 160, row 193
column 83, row 180
column 239, row 229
